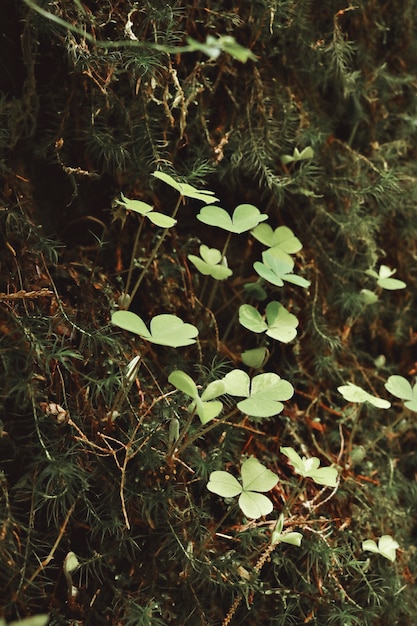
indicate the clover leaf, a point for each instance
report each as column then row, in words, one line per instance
column 244, row 218
column 213, row 47
column 165, row 330
column 401, row 388
column 309, row 468
column 186, row 190
column 278, row 536
column 206, row 410
column 255, row 357
column 146, row 210
column 386, row 546
column 263, row 393
column 211, row 263
column 384, row 280
column 279, row 324
column 353, row 393
column 276, row 267
column 255, row 478
column 307, row 153
column 281, row 238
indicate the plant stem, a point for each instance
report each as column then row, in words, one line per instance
column 155, row 251
column 216, row 282
column 132, row 259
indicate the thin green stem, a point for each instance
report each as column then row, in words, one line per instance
column 154, row 251
column 216, row 282
column 133, row 257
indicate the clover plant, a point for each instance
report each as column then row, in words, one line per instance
column 282, row 238
column 185, row 190
column 276, row 267
column 401, row 388
column 165, row 329
column 255, row 478
column 255, row 357
column 384, row 280
column 309, row 468
column 205, row 406
column 263, row 393
column 386, row 546
column 293, row 538
column 211, row 263
column 146, row 210
column 278, row 323
column 244, row 218
column 353, row 393
column 306, row 153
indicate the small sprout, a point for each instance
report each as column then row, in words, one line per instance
column 165, row 330
column 384, row 280
column 401, row 388
column 309, row 468
column 263, row 393
column 279, row 323
column 353, row 393
column 276, row 267
column 146, row 210
column 278, row 536
column 205, row 407
column 244, row 218
column 307, row 153
column 386, row 547
column 211, row 263
column 186, row 190
column 255, row 478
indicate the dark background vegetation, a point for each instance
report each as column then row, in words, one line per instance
column 83, row 119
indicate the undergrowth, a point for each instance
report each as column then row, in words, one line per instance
column 249, row 457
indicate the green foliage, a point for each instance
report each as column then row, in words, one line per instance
column 309, row 468
column 278, row 323
column 386, row 546
column 244, row 218
column 401, row 388
column 105, row 515
column 263, row 393
column 353, row 393
column 145, row 209
column 255, row 478
column 212, row 263
column 165, row 329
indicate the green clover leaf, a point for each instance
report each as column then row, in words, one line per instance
column 278, row 536
column 206, row 410
column 384, row 280
column 353, row 393
column 386, row 547
column 309, row 468
column 214, row 46
column 186, row 190
column 146, row 210
column 165, row 330
column 263, row 393
column 255, row 478
column 401, row 388
column 307, row 153
column 282, row 238
column 244, row 218
column 276, row 267
column 211, row 263
column 279, row 324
